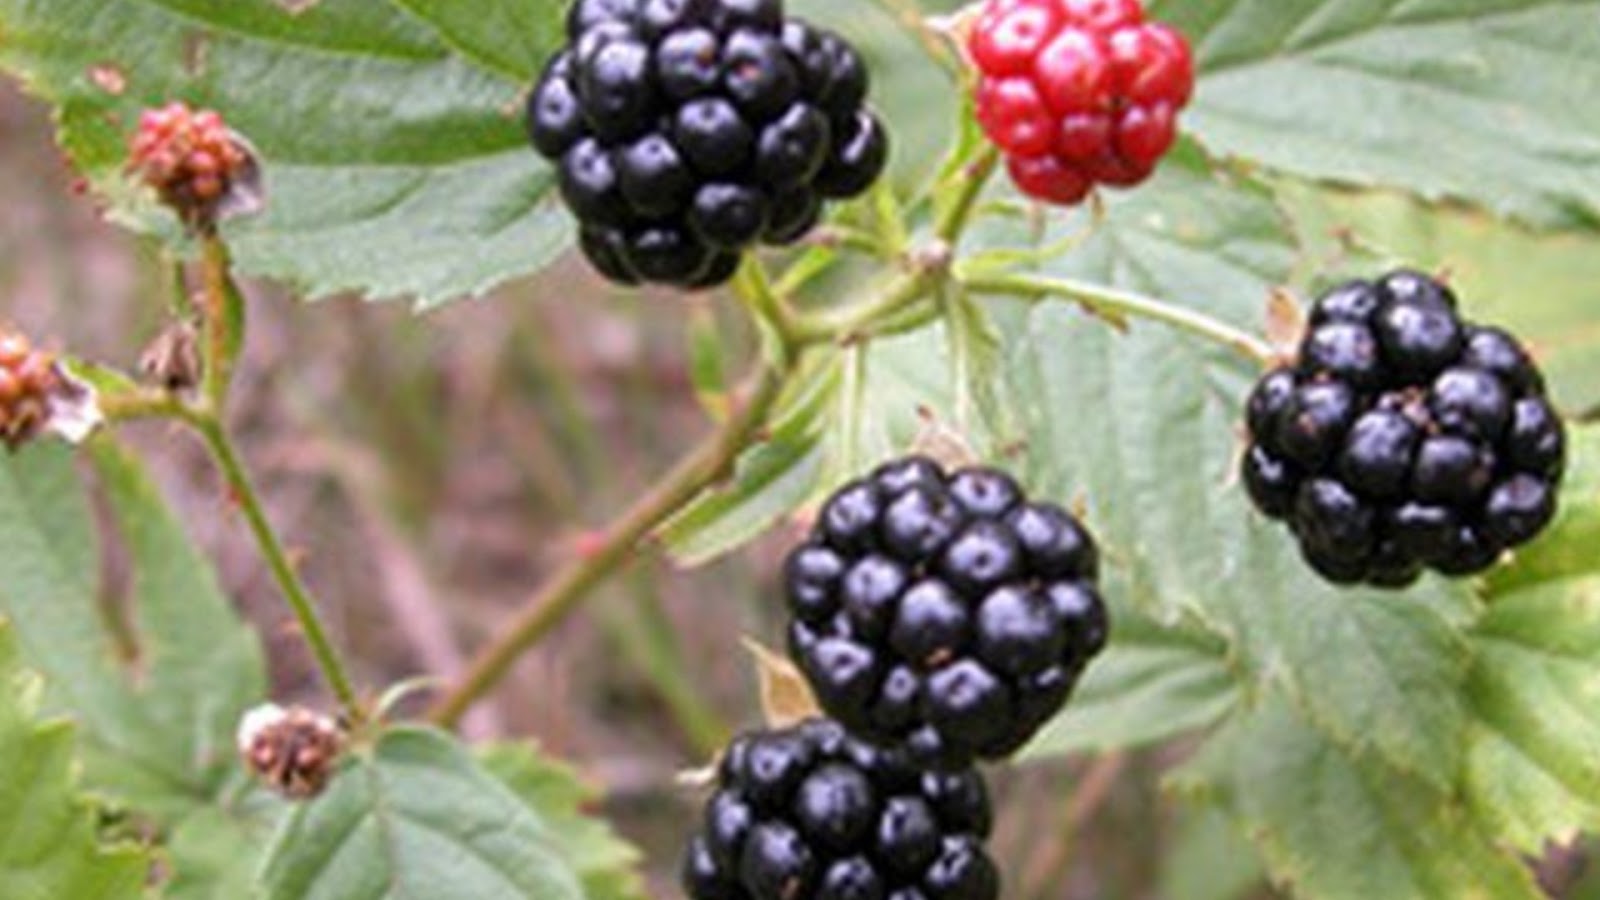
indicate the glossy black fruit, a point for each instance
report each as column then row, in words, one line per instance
column 685, row 132
column 1403, row 437
column 811, row 812
column 944, row 613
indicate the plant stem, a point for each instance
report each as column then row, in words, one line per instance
column 702, row 468
column 765, row 305
column 1117, row 304
column 955, row 217
column 224, row 314
column 851, row 324
column 243, row 492
column 144, row 403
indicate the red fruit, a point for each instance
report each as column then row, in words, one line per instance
column 1103, row 15
column 1078, row 92
column 1048, row 179
column 190, row 158
column 1009, row 35
column 1015, row 117
column 1145, row 133
column 1072, row 73
column 28, row 379
column 1084, row 136
column 1151, row 64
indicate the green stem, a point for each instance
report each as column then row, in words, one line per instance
column 1119, row 304
column 243, row 492
column 953, row 220
column 144, row 403
column 766, row 305
column 224, row 322
column 702, row 468
column 854, row 324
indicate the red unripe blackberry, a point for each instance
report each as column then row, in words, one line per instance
column 195, row 164
column 1077, row 93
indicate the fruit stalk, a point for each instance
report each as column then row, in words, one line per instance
column 1123, row 304
column 242, row 492
column 224, row 321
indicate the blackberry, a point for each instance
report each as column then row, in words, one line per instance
column 943, row 613
column 811, row 812
column 1403, row 437
column 684, row 132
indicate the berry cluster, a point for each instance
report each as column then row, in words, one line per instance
column 811, row 812
column 685, row 131
column 1403, row 437
column 1078, row 92
column 190, row 158
column 943, row 612
column 29, row 378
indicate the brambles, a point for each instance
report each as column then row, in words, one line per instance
column 810, row 812
column 1078, row 92
column 1404, row 437
column 295, row 750
column 687, row 131
column 198, row 167
column 943, row 612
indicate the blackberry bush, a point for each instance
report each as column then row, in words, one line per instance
column 1434, row 747
column 1404, row 437
column 943, row 612
column 1078, row 92
column 686, row 131
column 810, row 812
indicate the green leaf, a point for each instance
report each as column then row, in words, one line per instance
column 202, row 666
column 558, row 794
column 158, row 730
column 1209, row 860
column 1533, row 771
column 215, row 852
column 395, row 163
column 1333, row 825
column 509, row 37
column 1156, row 470
column 1152, row 684
column 1488, row 101
column 1538, row 285
column 415, row 816
column 48, row 847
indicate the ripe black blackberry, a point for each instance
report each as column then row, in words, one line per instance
column 810, row 812
column 1404, row 437
column 685, row 131
column 943, row 612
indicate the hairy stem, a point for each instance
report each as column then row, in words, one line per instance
column 954, row 219
column 223, row 312
column 1123, row 304
column 224, row 322
column 702, row 468
column 242, row 492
